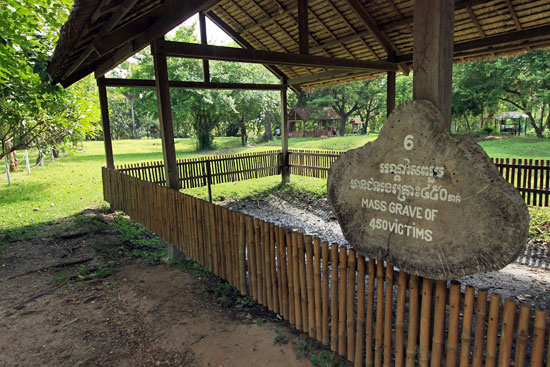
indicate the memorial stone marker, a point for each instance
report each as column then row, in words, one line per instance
column 432, row 204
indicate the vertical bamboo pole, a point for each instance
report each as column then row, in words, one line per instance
column 342, row 266
column 214, row 239
column 242, row 255
column 334, row 298
column 400, row 319
column 439, row 322
column 282, row 260
column 539, row 329
column 251, row 257
column 465, row 339
column 325, row 301
column 207, row 236
column 290, row 255
column 351, row 305
column 522, row 335
column 425, row 320
column 507, row 333
column 492, row 331
column 221, row 243
column 412, row 337
column 360, row 333
column 303, row 283
column 454, row 313
column 369, row 319
column 227, row 245
column 317, row 288
column 310, row 287
column 275, row 274
column 296, row 275
column 379, row 336
column 235, row 249
column 479, row 332
column 257, row 245
column 267, row 267
column 265, row 255
column 388, row 313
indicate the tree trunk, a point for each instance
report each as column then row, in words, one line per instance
column 268, row 134
column 533, row 122
column 244, row 136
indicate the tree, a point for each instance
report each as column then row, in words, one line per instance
column 34, row 111
column 207, row 109
column 525, row 84
column 374, row 102
column 346, row 99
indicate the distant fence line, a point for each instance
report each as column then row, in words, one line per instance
column 530, row 177
column 361, row 308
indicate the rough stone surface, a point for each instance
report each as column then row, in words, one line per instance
column 431, row 204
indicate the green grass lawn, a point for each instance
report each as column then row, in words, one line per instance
column 68, row 185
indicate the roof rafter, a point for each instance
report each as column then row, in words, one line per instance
column 513, row 15
column 240, row 40
column 516, row 36
column 370, row 23
column 116, row 17
column 133, row 38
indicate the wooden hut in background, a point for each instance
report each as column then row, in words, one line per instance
column 355, row 123
column 513, row 127
column 324, row 116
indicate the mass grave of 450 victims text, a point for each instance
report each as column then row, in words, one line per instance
column 432, row 204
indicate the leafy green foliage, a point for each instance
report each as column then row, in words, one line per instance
column 31, row 108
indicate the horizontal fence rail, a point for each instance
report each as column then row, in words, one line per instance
column 530, row 177
column 361, row 308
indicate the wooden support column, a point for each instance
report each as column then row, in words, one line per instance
column 204, row 41
column 285, row 169
column 104, row 104
column 303, row 29
column 165, row 115
column 390, row 88
column 433, row 53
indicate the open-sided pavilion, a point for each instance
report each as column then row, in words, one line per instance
column 305, row 43
column 315, row 43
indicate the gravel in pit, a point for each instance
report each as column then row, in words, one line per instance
column 527, row 280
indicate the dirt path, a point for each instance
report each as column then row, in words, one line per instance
column 142, row 315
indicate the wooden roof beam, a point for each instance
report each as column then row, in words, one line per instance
column 517, row 36
column 371, row 25
column 303, row 28
column 175, row 84
column 319, row 76
column 195, row 51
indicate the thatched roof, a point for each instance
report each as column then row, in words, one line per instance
column 100, row 34
column 312, row 113
column 511, row 115
column 356, row 121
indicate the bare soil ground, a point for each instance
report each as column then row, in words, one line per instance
column 82, row 292
column 526, row 280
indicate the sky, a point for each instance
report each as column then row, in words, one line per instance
column 215, row 35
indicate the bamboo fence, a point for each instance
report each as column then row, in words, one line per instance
column 530, row 177
column 363, row 309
